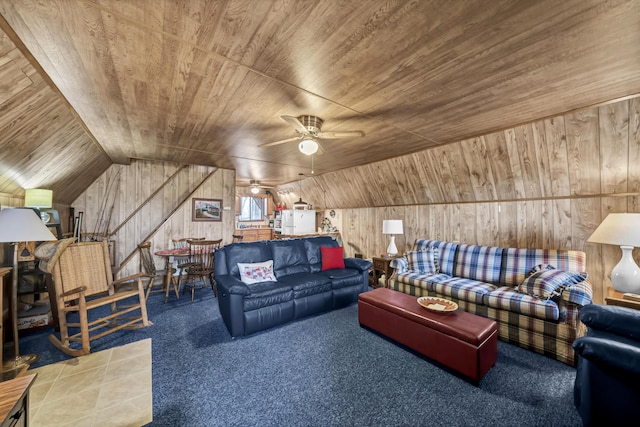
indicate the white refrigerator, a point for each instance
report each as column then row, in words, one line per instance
column 298, row 221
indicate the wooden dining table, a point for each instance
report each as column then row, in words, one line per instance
column 168, row 254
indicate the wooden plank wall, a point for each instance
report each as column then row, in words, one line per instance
column 546, row 184
column 136, row 200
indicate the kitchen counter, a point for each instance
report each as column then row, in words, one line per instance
column 254, row 234
column 335, row 235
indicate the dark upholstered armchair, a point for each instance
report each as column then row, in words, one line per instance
column 607, row 386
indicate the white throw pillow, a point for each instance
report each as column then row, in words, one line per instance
column 257, row 272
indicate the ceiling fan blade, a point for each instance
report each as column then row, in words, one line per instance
column 255, row 183
column 337, row 135
column 293, row 121
column 282, row 141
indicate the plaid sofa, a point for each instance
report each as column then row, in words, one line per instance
column 534, row 295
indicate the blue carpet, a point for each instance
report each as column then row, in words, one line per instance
column 323, row 371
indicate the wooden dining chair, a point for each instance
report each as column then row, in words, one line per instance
column 200, row 264
column 237, row 238
column 155, row 278
column 183, row 262
column 89, row 301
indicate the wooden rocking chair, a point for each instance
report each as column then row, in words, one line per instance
column 83, row 282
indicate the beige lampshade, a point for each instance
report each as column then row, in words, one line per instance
column 23, row 225
column 622, row 229
column 38, row 198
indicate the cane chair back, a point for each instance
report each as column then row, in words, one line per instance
column 200, row 264
column 83, row 281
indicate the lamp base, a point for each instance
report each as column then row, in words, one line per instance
column 392, row 250
column 20, row 361
column 625, row 276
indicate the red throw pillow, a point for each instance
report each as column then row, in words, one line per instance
column 332, row 257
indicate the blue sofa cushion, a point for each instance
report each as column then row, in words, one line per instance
column 289, row 257
column 305, row 284
column 343, row 277
column 312, row 247
column 358, row 264
column 245, row 252
column 617, row 320
column 264, row 294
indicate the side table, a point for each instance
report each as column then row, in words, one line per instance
column 381, row 265
column 14, row 401
column 617, row 298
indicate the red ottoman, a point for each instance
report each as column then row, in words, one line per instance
column 458, row 340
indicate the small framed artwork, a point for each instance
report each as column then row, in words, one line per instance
column 206, row 210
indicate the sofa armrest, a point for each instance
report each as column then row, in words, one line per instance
column 611, row 353
column 580, row 293
column 231, row 285
column 400, row 264
column 357, row 263
column 613, row 319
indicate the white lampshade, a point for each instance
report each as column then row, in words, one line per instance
column 255, row 189
column 38, row 198
column 622, row 229
column 308, row 146
column 392, row 226
column 23, row 225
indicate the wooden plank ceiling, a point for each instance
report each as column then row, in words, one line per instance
column 205, row 82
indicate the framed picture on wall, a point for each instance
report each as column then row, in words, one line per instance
column 206, row 210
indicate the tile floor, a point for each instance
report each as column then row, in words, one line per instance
column 107, row 388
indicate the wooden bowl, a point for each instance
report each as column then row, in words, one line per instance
column 438, row 305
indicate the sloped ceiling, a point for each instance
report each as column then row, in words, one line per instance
column 42, row 143
column 204, row 82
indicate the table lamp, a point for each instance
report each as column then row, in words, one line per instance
column 20, row 225
column 622, row 229
column 392, row 227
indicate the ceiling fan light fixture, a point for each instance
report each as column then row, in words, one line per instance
column 308, row 146
column 254, row 186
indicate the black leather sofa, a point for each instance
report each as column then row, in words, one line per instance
column 607, row 385
column 302, row 287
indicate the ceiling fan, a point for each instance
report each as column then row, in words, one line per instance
column 255, row 186
column 309, row 132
